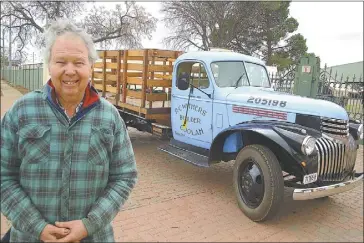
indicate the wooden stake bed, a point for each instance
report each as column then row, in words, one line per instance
column 137, row 81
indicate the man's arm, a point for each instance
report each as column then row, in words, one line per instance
column 15, row 204
column 122, row 178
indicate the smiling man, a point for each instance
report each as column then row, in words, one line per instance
column 67, row 163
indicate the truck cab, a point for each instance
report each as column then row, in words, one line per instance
column 224, row 108
column 222, row 84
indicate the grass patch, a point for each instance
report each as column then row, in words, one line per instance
column 354, row 107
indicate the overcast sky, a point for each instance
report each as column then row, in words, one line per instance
column 334, row 30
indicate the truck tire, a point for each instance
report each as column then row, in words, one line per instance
column 258, row 182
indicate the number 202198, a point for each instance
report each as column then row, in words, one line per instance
column 267, row 102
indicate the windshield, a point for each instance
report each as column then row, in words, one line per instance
column 234, row 74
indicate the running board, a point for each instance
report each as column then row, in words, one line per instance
column 188, row 156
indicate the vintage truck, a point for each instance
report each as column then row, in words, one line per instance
column 217, row 106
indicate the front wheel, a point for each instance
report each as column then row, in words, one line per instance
column 258, row 182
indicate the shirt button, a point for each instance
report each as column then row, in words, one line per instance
column 64, row 197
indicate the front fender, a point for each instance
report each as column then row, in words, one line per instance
column 284, row 139
column 353, row 129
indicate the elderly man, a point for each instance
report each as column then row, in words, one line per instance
column 67, row 163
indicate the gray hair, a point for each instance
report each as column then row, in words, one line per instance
column 62, row 26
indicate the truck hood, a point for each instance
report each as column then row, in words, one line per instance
column 294, row 103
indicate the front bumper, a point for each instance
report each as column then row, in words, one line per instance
column 317, row 192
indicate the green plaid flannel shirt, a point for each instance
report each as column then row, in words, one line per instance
column 53, row 170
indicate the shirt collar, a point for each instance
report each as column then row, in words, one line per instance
column 91, row 97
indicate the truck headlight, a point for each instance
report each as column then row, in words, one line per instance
column 360, row 131
column 308, row 145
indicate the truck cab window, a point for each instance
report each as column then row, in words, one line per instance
column 236, row 74
column 229, row 74
column 257, row 75
column 197, row 75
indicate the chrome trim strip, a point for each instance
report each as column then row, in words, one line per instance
column 327, row 129
column 343, row 126
column 333, row 120
column 334, row 126
column 311, row 193
column 341, row 158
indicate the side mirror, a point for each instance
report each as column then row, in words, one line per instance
column 183, row 81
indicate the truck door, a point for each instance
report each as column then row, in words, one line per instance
column 191, row 109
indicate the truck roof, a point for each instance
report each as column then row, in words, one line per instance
column 213, row 56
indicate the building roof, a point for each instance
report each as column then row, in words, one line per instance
column 347, row 70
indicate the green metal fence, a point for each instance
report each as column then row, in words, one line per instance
column 29, row 76
column 347, row 92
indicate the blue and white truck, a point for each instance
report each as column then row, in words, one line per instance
column 223, row 108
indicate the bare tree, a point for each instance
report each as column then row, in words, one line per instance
column 262, row 29
column 27, row 19
column 120, row 27
column 209, row 24
column 190, row 24
column 123, row 26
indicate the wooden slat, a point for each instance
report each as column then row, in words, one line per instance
column 158, row 97
column 135, row 74
column 133, row 108
column 118, row 78
column 110, row 65
column 98, row 86
column 162, row 76
column 125, row 74
column 107, row 82
column 111, row 77
column 104, row 75
column 152, row 77
column 162, row 59
column 136, row 81
column 133, row 53
column 160, row 68
column 134, row 94
column 136, row 58
column 162, row 53
column 163, row 103
column 159, row 83
column 98, row 75
column 110, row 54
column 111, row 89
column 135, row 66
column 98, row 65
column 145, row 76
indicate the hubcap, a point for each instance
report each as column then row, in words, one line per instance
column 251, row 183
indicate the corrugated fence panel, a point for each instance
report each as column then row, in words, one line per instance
column 29, row 78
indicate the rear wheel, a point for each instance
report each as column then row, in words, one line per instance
column 258, row 182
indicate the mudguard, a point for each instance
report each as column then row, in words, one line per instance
column 286, row 136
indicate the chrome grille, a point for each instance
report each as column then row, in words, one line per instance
column 335, row 127
column 336, row 159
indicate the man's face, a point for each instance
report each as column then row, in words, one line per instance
column 69, row 67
